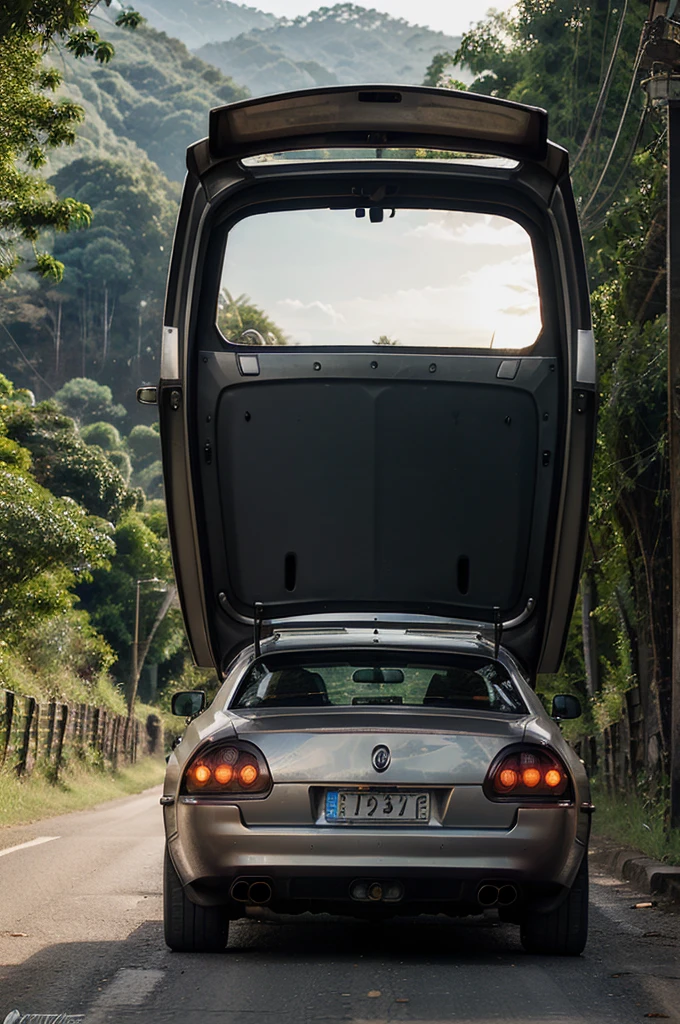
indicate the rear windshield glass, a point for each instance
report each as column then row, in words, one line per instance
column 425, row 278
column 462, row 682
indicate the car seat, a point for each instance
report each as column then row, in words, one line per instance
column 458, row 687
column 297, row 687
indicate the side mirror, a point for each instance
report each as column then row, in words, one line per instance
column 565, row 705
column 147, row 396
column 188, row 703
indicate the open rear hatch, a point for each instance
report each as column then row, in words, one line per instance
column 440, row 481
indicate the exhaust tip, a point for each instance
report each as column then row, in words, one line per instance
column 487, row 895
column 239, row 890
column 260, row 893
column 507, row 895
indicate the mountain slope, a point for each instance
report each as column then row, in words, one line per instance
column 154, row 96
column 196, row 22
column 352, row 44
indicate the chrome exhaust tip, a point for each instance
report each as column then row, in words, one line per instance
column 260, row 893
column 239, row 890
column 507, row 895
column 487, row 895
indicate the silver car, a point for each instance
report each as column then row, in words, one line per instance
column 377, row 409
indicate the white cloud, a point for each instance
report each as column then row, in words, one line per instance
column 298, row 306
column 483, row 230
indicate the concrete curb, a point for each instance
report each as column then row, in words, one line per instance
column 645, row 873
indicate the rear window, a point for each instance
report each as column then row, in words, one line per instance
column 423, row 278
column 461, row 682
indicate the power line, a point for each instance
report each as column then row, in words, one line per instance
column 626, row 165
column 614, row 144
column 28, row 364
column 604, row 91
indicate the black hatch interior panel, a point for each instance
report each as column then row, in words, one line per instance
column 357, row 484
column 359, row 507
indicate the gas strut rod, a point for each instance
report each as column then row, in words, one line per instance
column 497, row 630
column 257, row 627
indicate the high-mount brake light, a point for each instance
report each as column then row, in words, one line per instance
column 528, row 773
column 229, row 769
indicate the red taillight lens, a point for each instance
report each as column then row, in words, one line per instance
column 532, row 773
column 230, row 769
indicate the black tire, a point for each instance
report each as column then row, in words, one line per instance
column 188, row 927
column 564, row 930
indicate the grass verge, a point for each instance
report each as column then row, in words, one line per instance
column 633, row 822
column 23, row 800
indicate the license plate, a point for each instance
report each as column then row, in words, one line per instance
column 376, row 806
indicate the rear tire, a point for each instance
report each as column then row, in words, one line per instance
column 564, row 930
column 188, row 927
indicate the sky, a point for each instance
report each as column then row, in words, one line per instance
column 451, row 16
column 424, row 277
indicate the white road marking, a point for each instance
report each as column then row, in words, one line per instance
column 32, row 842
column 131, row 986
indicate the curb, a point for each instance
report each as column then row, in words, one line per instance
column 645, row 873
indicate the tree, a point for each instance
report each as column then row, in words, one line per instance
column 32, row 122
column 66, row 465
column 238, row 315
column 88, row 402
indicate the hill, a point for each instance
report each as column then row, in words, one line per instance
column 197, row 22
column 344, row 44
column 151, row 101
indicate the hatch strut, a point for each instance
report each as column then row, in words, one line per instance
column 497, row 630
column 257, row 626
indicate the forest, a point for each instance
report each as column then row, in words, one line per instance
column 98, row 107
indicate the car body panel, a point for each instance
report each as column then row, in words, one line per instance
column 339, row 439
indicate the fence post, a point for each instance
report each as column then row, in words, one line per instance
column 8, row 719
column 22, row 762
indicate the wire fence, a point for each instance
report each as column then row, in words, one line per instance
column 49, row 733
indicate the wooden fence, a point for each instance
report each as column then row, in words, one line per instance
column 50, row 732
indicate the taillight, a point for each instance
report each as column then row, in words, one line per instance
column 529, row 773
column 236, row 769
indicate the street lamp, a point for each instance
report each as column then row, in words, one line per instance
column 134, row 672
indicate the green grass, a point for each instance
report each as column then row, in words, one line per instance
column 637, row 823
column 23, row 800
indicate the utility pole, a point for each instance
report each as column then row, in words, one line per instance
column 134, row 669
column 661, row 55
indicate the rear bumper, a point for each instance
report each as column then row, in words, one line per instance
column 211, row 847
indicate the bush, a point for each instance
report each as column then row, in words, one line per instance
column 103, row 434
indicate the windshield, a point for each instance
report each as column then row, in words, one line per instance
column 461, row 681
column 380, row 276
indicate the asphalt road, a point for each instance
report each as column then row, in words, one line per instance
column 81, row 933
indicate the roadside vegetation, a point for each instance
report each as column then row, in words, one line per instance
column 80, row 786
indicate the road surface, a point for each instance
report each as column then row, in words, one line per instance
column 81, row 933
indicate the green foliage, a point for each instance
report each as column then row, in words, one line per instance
column 121, row 460
column 111, row 298
column 555, row 55
column 237, row 315
column 104, row 435
column 142, row 553
column 32, row 122
column 88, row 402
column 152, row 99
column 66, row 465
